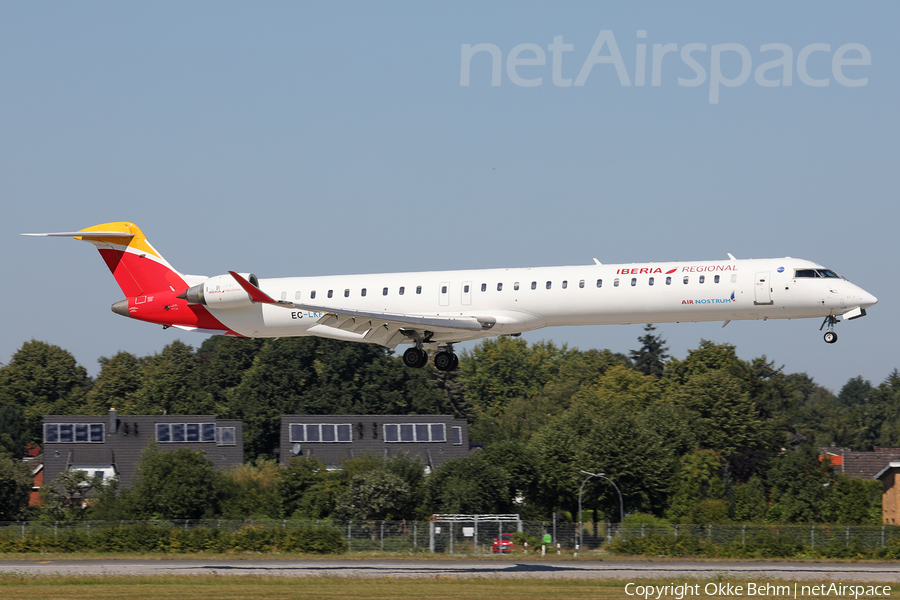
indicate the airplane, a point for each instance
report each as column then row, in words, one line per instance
column 433, row 310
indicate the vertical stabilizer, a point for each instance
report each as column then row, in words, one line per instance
column 138, row 268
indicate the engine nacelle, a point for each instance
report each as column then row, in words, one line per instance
column 221, row 291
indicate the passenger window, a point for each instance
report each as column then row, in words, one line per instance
column 633, row 281
column 565, row 284
column 534, row 285
column 499, row 287
column 466, row 289
column 716, row 279
column 346, row 293
column 363, row 293
column 384, row 292
column 685, row 280
column 548, row 285
column 418, row 289
column 483, row 287
column 651, row 281
column 668, row 281
column 296, row 295
column 702, row 278
column 734, row 278
column 616, row 282
column 516, row 286
column 330, row 293
column 581, row 283
column 312, row 295
column 284, row 295
column 599, row 283
column 402, row 289
column 443, row 289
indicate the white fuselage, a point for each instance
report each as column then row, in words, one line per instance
column 523, row 299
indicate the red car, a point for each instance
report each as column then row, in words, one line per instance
column 504, row 543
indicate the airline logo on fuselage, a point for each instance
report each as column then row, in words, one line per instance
column 694, row 269
column 728, row 300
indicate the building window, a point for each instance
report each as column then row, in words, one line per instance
column 457, row 436
column 226, row 436
column 185, row 432
column 321, row 432
column 414, row 432
column 72, row 433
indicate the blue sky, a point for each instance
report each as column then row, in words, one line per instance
column 299, row 138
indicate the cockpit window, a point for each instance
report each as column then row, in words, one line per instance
column 815, row 273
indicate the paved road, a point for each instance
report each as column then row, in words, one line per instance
column 625, row 570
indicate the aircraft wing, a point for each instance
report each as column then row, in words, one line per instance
column 382, row 328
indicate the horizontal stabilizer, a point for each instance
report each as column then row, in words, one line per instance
column 84, row 235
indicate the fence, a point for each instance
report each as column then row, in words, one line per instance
column 476, row 536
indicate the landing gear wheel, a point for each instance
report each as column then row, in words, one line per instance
column 415, row 358
column 445, row 361
column 830, row 337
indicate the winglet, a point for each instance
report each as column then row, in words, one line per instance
column 256, row 294
column 597, row 262
column 731, row 256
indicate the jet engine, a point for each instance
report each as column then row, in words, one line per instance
column 221, row 291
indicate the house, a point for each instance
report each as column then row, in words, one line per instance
column 890, row 493
column 859, row 464
column 331, row 439
column 111, row 446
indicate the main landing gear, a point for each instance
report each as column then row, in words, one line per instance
column 444, row 360
column 830, row 335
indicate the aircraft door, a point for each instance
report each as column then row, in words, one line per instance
column 466, row 293
column 444, row 297
column 762, row 290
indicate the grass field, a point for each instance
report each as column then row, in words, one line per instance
column 216, row 587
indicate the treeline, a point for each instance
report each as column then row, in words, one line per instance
column 707, row 439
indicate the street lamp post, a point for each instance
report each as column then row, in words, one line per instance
column 581, row 489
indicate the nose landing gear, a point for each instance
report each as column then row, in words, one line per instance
column 830, row 335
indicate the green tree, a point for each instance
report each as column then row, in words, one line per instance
column 14, row 433
column 854, row 501
column 468, row 485
column 800, row 485
column 650, row 359
column 698, row 490
column 307, row 490
column 65, row 498
column 43, row 379
column 169, row 384
column 180, row 484
column 15, row 488
column 750, row 501
column 251, row 490
column 119, row 379
column 374, row 496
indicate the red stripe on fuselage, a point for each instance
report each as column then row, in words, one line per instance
column 138, row 275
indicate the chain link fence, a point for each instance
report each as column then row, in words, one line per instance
column 461, row 535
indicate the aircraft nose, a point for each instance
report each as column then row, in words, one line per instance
column 867, row 299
